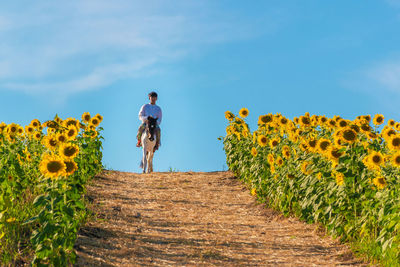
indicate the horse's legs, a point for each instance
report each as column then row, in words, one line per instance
column 151, row 154
column 144, row 160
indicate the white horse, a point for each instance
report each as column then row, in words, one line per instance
column 148, row 143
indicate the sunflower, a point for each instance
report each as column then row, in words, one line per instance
column 274, row 142
column 322, row 119
column 367, row 118
column 37, row 135
column 323, row 145
column 99, row 117
column 305, row 121
column 245, row 133
column 312, row 145
column 319, row 176
column 304, row 167
column 374, row 160
column 391, row 123
column 262, row 140
column 283, row 121
column 71, row 167
column 365, row 127
column 61, row 137
column 379, row 182
column 270, row 159
column 70, row 122
column 253, row 151
column 343, row 123
column 20, row 130
column 378, row 119
column 12, row 129
column 286, row 152
column 50, row 141
column 334, row 154
column 29, row 129
column 331, row 123
column 86, row 117
column 94, row 121
column 35, row 123
column 272, row 169
column 90, row 131
column 244, row 112
column 339, row 177
column 387, row 132
column 279, row 161
column 68, row 151
column 395, row 159
column 264, row 119
column 71, row 132
column 228, row 115
column 52, row 166
column 348, row 135
column 394, row 142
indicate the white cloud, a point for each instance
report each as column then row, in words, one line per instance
column 386, row 75
column 395, row 3
column 86, row 45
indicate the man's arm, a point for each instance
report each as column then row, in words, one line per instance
column 142, row 114
column 159, row 117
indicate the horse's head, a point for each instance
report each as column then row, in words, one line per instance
column 151, row 125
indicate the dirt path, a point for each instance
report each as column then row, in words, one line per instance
column 195, row 219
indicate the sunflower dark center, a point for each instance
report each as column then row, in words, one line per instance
column 312, row 143
column 365, row 127
column 53, row 142
column 349, row 135
column 70, row 166
column 305, row 120
column 324, row 145
column 71, row 133
column 54, row 166
column 396, row 141
column 376, row 159
column 336, row 154
column 69, row 151
column 266, row 119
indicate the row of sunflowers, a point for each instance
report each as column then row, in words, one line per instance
column 44, row 168
column 343, row 174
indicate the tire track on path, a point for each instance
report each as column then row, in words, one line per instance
column 195, row 219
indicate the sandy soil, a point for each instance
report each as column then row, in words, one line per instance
column 195, row 219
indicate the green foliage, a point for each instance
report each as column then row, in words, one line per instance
column 356, row 211
column 39, row 216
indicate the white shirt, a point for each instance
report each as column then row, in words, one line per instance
column 150, row 110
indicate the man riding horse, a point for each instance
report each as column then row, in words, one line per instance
column 154, row 111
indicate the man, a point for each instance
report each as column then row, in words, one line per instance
column 154, row 111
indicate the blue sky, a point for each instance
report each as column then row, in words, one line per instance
column 203, row 58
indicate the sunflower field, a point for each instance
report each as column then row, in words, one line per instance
column 44, row 168
column 343, row 174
